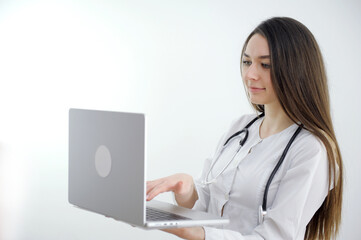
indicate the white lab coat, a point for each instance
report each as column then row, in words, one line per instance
column 296, row 192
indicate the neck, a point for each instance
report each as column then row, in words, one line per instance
column 275, row 121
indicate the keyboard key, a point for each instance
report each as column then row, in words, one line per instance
column 158, row 215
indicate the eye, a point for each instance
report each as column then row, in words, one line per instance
column 246, row 63
column 265, row 65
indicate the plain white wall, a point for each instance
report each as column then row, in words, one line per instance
column 177, row 61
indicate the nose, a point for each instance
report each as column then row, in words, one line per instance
column 251, row 72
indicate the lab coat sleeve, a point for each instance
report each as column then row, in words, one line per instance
column 301, row 192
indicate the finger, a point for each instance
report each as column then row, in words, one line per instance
column 152, row 184
column 180, row 232
column 160, row 188
column 187, row 233
column 156, row 191
column 175, row 231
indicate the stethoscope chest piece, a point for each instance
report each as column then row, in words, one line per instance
column 261, row 214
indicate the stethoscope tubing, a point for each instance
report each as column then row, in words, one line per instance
column 279, row 163
column 263, row 207
column 241, row 143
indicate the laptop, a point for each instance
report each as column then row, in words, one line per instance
column 107, row 172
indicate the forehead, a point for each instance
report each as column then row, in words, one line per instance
column 257, row 46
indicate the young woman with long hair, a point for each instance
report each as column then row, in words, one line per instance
column 291, row 151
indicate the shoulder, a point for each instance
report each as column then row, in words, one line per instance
column 240, row 122
column 307, row 140
column 308, row 147
column 236, row 125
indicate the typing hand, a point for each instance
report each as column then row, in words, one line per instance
column 181, row 184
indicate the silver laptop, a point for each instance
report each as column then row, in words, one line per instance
column 107, row 169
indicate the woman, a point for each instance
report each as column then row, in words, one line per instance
column 284, row 77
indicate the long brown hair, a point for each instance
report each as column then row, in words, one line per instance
column 299, row 80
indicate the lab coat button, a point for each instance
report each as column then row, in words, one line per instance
column 226, row 197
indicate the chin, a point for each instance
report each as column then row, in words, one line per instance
column 256, row 101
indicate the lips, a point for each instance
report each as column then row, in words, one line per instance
column 256, row 89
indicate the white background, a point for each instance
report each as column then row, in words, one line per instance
column 176, row 61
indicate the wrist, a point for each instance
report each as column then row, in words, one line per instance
column 187, row 199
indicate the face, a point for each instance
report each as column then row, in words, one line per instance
column 256, row 71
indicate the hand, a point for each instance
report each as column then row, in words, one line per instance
column 181, row 184
column 193, row 233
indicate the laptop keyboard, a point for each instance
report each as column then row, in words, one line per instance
column 158, row 215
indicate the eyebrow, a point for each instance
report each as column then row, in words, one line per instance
column 261, row 57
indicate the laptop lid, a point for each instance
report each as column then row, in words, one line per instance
column 99, row 180
column 107, row 171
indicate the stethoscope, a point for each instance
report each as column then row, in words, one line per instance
column 263, row 207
